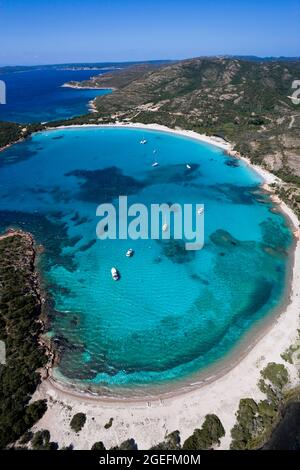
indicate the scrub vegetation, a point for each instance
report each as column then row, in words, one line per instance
column 256, row 420
column 20, row 328
column 208, row 436
column 78, row 421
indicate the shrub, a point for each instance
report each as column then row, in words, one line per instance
column 109, row 424
column 277, row 374
column 98, row 446
column 41, row 441
column 275, row 377
column 130, row 444
column 255, row 420
column 35, row 411
column 171, row 442
column 209, row 435
column 78, row 421
column 26, row 437
column 69, row 447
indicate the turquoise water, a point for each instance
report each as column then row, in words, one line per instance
column 173, row 312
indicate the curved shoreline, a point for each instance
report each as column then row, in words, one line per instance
column 184, row 409
column 244, row 346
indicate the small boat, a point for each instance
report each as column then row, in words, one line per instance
column 200, row 211
column 115, row 274
column 130, row 253
column 143, row 141
column 155, row 164
column 154, row 151
column 165, row 227
column 188, row 166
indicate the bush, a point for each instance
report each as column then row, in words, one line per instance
column 277, row 374
column 41, row 441
column 109, row 424
column 35, row 411
column 275, row 377
column 26, row 437
column 69, row 447
column 256, row 420
column 248, row 424
column 171, row 442
column 209, row 435
column 98, row 446
column 78, row 421
column 130, row 444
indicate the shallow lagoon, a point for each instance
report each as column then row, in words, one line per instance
column 173, row 312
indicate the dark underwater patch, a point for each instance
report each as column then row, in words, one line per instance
column 87, row 245
column 198, row 278
column 176, row 174
column 53, row 235
column 78, row 220
column 223, row 238
column 260, row 296
column 72, row 366
column 175, row 251
column 74, row 240
column 57, row 193
column 12, row 155
column 236, row 194
column 232, row 162
column 58, row 289
column 75, row 320
column 58, row 137
column 276, row 235
column 105, row 185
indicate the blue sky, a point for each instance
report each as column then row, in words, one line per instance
column 58, row 31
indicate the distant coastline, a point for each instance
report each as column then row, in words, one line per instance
column 79, row 87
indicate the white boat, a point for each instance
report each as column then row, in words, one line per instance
column 143, row 141
column 188, row 166
column 130, row 253
column 155, row 164
column 200, row 211
column 165, row 227
column 115, row 274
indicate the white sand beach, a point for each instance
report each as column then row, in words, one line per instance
column 149, row 420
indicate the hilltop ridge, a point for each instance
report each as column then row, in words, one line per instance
column 243, row 101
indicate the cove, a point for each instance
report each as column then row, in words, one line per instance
column 174, row 312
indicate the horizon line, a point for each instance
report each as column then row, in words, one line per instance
column 153, row 60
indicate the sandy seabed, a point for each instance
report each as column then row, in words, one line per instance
column 149, row 420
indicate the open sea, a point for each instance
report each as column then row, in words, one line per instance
column 174, row 312
column 37, row 95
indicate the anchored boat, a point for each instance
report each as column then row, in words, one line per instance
column 115, row 274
